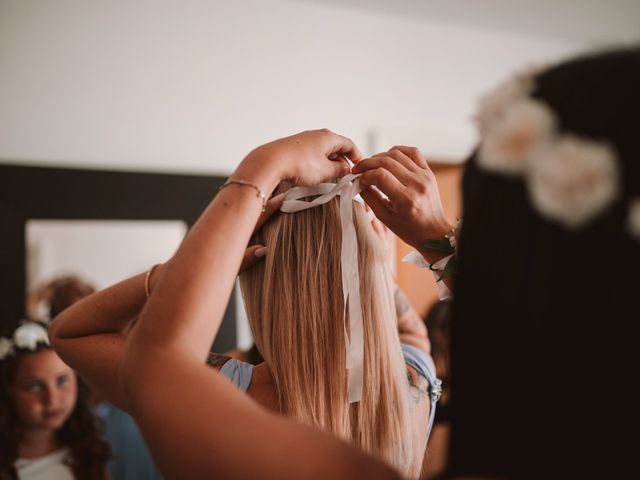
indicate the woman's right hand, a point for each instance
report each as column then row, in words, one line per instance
column 307, row 158
column 411, row 207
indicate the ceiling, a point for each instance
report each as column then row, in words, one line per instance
column 588, row 22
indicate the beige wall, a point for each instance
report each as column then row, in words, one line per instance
column 418, row 283
column 193, row 85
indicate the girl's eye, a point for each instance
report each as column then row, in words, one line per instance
column 63, row 380
column 33, row 387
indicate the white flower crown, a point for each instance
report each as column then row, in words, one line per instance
column 570, row 179
column 26, row 337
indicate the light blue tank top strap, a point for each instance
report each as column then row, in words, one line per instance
column 423, row 364
column 240, row 373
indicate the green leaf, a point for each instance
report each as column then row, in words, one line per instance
column 441, row 245
column 449, row 269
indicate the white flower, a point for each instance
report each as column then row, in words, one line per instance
column 415, row 258
column 452, row 241
column 493, row 104
column 634, row 218
column 524, row 128
column 28, row 335
column 573, row 181
column 6, row 348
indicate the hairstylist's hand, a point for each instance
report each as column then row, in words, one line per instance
column 306, row 158
column 413, row 209
column 254, row 253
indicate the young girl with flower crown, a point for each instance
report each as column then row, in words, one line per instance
column 47, row 430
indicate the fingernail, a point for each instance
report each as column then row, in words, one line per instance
column 278, row 197
column 260, row 252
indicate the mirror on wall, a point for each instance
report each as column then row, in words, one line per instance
column 97, row 253
column 100, row 226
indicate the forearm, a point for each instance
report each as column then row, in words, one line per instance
column 190, row 294
column 90, row 335
column 212, row 417
column 107, row 311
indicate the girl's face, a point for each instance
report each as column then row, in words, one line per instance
column 44, row 390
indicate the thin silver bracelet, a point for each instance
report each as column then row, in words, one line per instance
column 244, row 183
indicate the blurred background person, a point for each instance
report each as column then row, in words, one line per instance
column 438, row 322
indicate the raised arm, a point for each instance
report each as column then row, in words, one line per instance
column 195, row 422
column 91, row 334
column 187, row 303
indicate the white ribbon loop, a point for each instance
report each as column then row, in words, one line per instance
column 348, row 187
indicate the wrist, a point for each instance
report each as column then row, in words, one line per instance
column 439, row 245
column 432, row 256
column 262, row 169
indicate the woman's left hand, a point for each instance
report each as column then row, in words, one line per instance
column 255, row 253
column 306, row 158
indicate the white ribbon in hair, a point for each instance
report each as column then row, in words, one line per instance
column 347, row 188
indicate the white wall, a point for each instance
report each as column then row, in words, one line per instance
column 103, row 252
column 193, row 85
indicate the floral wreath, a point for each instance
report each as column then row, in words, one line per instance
column 570, row 179
column 28, row 336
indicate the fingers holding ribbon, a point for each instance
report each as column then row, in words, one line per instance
column 326, row 145
column 252, row 255
column 412, row 153
column 407, row 199
column 315, row 156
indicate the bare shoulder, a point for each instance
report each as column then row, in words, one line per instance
column 418, row 386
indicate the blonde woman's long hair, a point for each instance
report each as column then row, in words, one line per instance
column 294, row 303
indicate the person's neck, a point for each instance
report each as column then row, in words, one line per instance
column 36, row 443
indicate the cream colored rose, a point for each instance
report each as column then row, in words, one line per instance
column 525, row 128
column 573, row 181
column 493, row 105
column 634, row 218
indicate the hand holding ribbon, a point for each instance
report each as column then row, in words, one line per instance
column 410, row 202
